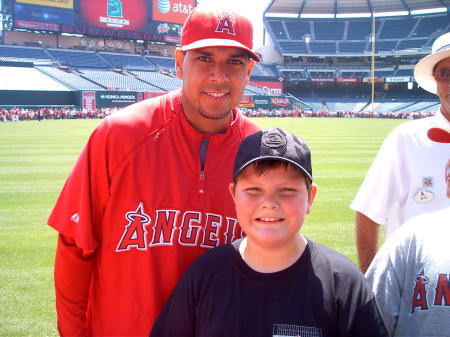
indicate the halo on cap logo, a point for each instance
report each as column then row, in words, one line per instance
column 164, row 6
column 274, row 140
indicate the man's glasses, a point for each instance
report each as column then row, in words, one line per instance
column 442, row 75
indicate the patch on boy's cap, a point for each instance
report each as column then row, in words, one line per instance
column 273, row 143
column 277, row 144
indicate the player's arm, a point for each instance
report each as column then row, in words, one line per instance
column 366, row 240
column 73, row 272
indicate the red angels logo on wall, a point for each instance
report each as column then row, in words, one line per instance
column 225, row 23
column 280, row 101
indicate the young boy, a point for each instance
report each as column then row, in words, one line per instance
column 274, row 282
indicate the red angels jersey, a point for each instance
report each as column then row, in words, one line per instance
column 141, row 200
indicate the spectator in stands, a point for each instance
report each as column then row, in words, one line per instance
column 149, row 192
column 410, row 273
column 404, row 179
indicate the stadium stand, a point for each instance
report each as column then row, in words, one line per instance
column 131, row 62
column 79, row 58
column 313, row 59
column 70, row 79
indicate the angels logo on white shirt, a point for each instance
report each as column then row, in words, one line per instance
column 422, row 196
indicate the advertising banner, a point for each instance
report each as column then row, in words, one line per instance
column 376, row 79
column 33, row 13
column 266, row 102
column 50, row 3
column 150, row 94
column 319, row 79
column 272, row 88
column 124, row 15
column 88, row 100
column 111, row 99
column 36, row 25
column 343, row 79
column 398, row 79
column 172, row 11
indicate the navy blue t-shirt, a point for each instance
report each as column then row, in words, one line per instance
column 322, row 294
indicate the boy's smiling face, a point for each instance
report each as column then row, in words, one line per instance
column 271, row 207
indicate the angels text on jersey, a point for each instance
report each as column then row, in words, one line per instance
column 169, row 227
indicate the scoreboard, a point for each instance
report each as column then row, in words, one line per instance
column 154, row 21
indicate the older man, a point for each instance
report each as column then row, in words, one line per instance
column 149, row 192
column 405, row 177
column 410, row 275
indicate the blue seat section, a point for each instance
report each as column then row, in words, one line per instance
column 396, row 28
column 128, row 61
column 329, row 30
column 114, row 81
column 323, row 47
column 352, row 46
column 410, row 43
column 321, row 74
column 294, row 47
column 22, row 53
column 263, row 70
column 384, row 45
column 349, row 104
column 429, row 25
column 72, row 80
column 278, row 29
column 297, row 29
column 355, row 73
column 160, row 81
column 79, row 58
column 162, row 62
column 359, row 29
column 404, row 72
column 384, row 73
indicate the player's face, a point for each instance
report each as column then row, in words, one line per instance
column 213, row 84
column 271, row 208
column 447, row 177
column 443, row 86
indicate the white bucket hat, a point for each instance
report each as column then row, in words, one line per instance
column 423, row 72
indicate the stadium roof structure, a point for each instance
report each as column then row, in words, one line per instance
column 343, row 8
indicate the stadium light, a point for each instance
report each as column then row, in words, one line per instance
column 400, row 13
column 429, row 11
column 353, row 15
column 318, row 16
column 281, row 15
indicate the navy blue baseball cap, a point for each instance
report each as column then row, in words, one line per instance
column 276, row 144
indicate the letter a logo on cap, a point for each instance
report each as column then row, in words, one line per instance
column 225, row 23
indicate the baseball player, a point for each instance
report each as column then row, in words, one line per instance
column 405, row 177
column 148, row 193
column 410, row 274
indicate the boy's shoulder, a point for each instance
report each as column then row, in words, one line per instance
column 213, row 258
column 325, row 258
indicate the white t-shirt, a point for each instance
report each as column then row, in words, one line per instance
column 407, row 175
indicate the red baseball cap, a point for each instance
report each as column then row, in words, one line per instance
column 206, row 27
column 439, row 135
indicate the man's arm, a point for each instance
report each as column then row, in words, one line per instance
column 73, row 272
column 366, row 240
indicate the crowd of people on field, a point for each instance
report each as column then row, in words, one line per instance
column 336, row 114
column 16, row 114
column 25, row 114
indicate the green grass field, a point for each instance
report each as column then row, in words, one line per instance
column 36, row 157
